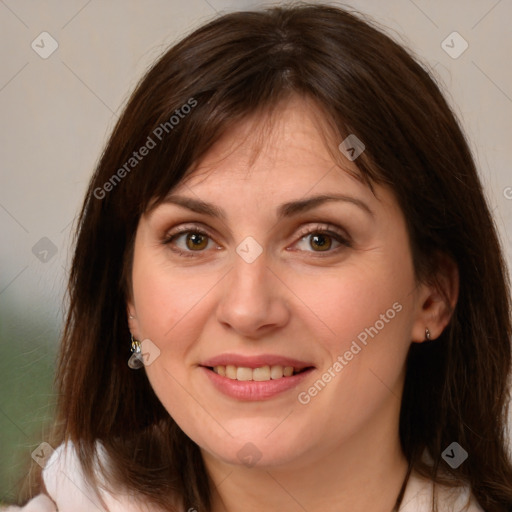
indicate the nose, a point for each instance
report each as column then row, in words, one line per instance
column 253, row 301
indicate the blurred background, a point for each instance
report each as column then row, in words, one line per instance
column 67, row 70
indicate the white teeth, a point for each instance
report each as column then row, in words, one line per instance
column 230, row 371
column 276, row 372
column 260, row 374
column 243, row 373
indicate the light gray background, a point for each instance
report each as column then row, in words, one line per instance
column 57, row 114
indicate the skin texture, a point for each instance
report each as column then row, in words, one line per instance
column 294, row 300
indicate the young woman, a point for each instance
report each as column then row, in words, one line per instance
column 287, row 236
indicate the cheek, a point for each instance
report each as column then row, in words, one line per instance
column 363, row 319
column 166, row 297
column 367, row 356
column 344, row 303
column 167, row 304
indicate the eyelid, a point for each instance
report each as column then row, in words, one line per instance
column 186, row 228
column 324, row 228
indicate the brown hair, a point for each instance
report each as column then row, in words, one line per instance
column 246, row 63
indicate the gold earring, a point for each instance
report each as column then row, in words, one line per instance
column 136, row 347
column 135, row 362
column 427, row 334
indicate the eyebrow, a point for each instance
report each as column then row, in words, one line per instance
column 286, row 210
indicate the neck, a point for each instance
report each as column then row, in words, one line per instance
column 364, row 473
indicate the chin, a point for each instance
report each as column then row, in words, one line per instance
column 257, row 448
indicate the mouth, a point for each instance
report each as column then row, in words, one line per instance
column 255, row 378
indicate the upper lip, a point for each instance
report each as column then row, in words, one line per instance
column 254, row 361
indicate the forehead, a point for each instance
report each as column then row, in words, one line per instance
column 291, row 147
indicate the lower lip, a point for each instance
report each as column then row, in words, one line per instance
column 254, row 390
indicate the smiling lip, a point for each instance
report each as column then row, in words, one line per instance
column 254, row 390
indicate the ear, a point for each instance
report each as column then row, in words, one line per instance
column 436, row 300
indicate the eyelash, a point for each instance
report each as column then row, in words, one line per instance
column 184, row 230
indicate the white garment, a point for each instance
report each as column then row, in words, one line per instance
column 65, row 484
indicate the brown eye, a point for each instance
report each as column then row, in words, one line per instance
column 320, row 242
column 186, row 242
column 196, row 241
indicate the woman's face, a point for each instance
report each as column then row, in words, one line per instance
column 268, row 263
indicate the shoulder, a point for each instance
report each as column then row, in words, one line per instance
column 67, row 487
column 68, row 491
column 65, row 482
column 40, row 503
column 419, row 493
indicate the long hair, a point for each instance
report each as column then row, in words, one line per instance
column 364, row 83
